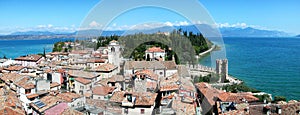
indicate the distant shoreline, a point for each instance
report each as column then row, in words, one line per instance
column 207, row 51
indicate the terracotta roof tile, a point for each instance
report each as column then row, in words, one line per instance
column 54, row 84
column 169, row 83
column 13, row 77
column 286, row 109
column 10, row 111
column 149, row 65
column 83, row 81
column 236, row 97
column 118, row 97
column 142, row 98
column 25, row 83
column 84, row 74
column 70, row 111
column 102, row 90
column 57, row 109
column 104, row 105
column 210, row 93
column 148, row 73
column 155, row 49
column 49, row 102
column 96, row 60
column 32, row 96
column 106, row 67
column 10, row 104
column 33, row 58
column 183, row 108
column 14, row 68
column 68, row 96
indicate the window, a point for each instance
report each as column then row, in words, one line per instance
column 81, row 87
column 126, row 111
column 160, row 73
column 142, row 111
column 27, row 91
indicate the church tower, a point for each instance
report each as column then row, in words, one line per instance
column 114, row 53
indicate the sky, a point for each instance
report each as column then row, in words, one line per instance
column 67, row 16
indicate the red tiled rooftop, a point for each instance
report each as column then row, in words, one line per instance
column 142, row 98
column 54, row 84
column 25, row 83
column 237, row 97
column 169, row 83
column 60, row 70
column 32, row 96
column 83, row 81
column 148, row 73
column 49, row 101
column 106, row 67
column 70, row 111
column 102, row 90
column 209, row 92
column 83, row 74
column 155, row 49
column 96, row 61
column 33, row 58
column 13, row 77
column 118, row 96
column 68, row 97
column 14, row 68
column 57, row 109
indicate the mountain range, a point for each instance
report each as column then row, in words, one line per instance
column 206, row 29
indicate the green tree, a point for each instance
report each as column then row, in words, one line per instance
column 4, row 57
column 44, row 53
column 239, row 88
column 279, row 98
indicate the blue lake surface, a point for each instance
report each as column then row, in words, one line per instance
column 16, row 48
column 269, row 64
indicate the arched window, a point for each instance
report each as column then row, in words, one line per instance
column 113, row 49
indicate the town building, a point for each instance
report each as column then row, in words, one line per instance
column 135, row 102
column 161, row 68
column 102, row 92
column 106, row 70
column 29, row 60
column 73, row 100
column 155, row 53
column 82, row 85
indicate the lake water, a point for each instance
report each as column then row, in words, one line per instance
column 16, row 48
column 269, row 64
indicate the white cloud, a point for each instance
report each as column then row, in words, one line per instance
column 168, row 24
column 237, row 25
column 50, row 25
column 183, row 23
column 42, row 27
column 94, row 24
column 177, row 23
